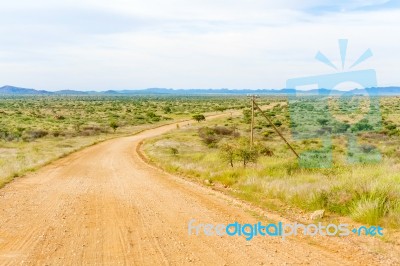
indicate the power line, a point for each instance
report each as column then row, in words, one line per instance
column 272, row 124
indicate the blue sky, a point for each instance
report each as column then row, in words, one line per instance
column 131, row 44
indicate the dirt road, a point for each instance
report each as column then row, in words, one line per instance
column 105, row 206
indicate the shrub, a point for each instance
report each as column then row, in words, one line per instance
column 38, row 133
column 362, row 125
column 208, row 136
column 265, row 151
column 267, row 133
column 367, row 148
column 223, row 130
column 247, row 116
column 114, row 125
column 167, row 109
column 391, row 127
column 92, row 130
column 322, row 121
column 174, row 151
column 340, row 127
column 151, row 114
column 246, row 153
column 59, row 117
column 34, row 134
column 220, row 108
column 199, row 117
column 278, row 123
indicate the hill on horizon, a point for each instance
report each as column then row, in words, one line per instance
column 11, row 90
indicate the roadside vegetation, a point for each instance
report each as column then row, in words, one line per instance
column 218, row 153
column 36, row 130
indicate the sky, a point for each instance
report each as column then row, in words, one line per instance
column 236, row 44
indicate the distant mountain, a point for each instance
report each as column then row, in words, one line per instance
column 10, row 90
column 71, row 92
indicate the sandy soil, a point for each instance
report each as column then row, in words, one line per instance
column 105, row 205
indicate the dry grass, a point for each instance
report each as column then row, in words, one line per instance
column 368, row 193
column 18, row 158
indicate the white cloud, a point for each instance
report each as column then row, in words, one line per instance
column 176, row 43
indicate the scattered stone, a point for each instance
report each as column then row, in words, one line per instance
column 317, row 215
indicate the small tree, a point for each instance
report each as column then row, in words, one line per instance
column 174, row 151
column 77, row 126
column 322, row 121
column 247, row 116
column 114, row 125
column 167, row 109
column 246, row 153
column 199, row 117
column 228, row 152
column 220, row 108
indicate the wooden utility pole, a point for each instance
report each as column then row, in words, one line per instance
column 252, row 98
column 252, row 121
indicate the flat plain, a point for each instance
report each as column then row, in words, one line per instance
column 129, row 199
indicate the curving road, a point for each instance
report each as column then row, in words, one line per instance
column 105, row 205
